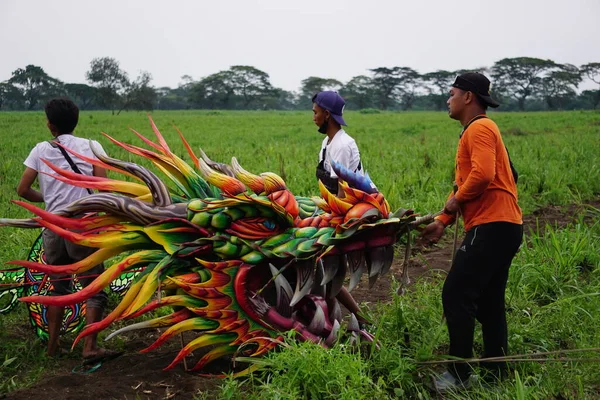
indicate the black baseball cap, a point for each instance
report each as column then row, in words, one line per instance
column 478, row 84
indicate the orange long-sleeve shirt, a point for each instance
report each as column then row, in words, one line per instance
column 487, row 191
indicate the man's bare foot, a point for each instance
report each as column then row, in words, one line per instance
column 97, row 352
column 100, row 354
column 58, row 352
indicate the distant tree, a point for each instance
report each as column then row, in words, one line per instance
column 279, row 99
column 438, row 85
column 214, row 92
column 185, row 85
column 11, row 97
column 179, row 97
column 239, row 87
column 410, row 81
column 139, row 94
column 250, row 84
column 83, row 95
column 35, row 85
column 358, row 92
column 520, row 77
column 560, row 84
column 106, row 75
column 386, row 82
column 592, row 72
column 313, row 85
column 162, row 93
column 591, row 98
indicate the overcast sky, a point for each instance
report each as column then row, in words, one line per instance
column 291, row 40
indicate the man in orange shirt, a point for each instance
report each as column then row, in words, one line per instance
column 486, row 197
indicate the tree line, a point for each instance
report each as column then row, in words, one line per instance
column 522, row 83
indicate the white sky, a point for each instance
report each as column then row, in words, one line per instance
column 291, row 40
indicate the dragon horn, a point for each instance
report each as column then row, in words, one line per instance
column 160, row 193
column 223, row 168
column 254, row 182
column 228, row 184
column 273, row 182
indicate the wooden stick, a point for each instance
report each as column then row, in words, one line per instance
column 455, row 235
column 182, row 346
column 517, row 357
column 404, row 278
column 565, row 359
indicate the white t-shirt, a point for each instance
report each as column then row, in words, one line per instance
column 59, row 194
column 342, row 150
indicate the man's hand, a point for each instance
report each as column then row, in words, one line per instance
column 452, row 206
column 432, row 233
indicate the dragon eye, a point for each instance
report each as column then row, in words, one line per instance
column 269, row 224
column 254, row 228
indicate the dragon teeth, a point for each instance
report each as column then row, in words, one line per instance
column 331, row 265
column 338, row 279
column 284, row 292
column 333, row 334
column 318, row 322
column 376, row 261
column 305, row 276
column 388, row 258
column 336, row 311
column 356, row 263
column 353, row 325
column 319, row 289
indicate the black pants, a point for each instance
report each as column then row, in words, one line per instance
column 475, row 288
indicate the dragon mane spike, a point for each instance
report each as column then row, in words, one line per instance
column 254, row 182
column 188, row 147
column 272, row 182
column 95, row 182
column 159, row 322
column 222, row 168
column 200, row 342
column 337, row 206
column 355, row 179
column 159, row 136
column 97, row 162
column 147, row 141
column 227, row 184
column 321, row 203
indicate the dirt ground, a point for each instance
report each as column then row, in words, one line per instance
column 140, row 376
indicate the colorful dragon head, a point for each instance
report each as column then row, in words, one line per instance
column 237, row 256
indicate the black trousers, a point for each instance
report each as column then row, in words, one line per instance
column 474, row 289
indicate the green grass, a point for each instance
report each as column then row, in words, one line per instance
column 553, row 300
column 566, row 318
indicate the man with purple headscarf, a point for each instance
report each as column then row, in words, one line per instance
column 338, row 146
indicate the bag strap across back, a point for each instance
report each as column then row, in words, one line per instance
column 69, row 160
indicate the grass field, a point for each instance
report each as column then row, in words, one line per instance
column 554, row 288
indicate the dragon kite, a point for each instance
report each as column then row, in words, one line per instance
column 237, row 257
